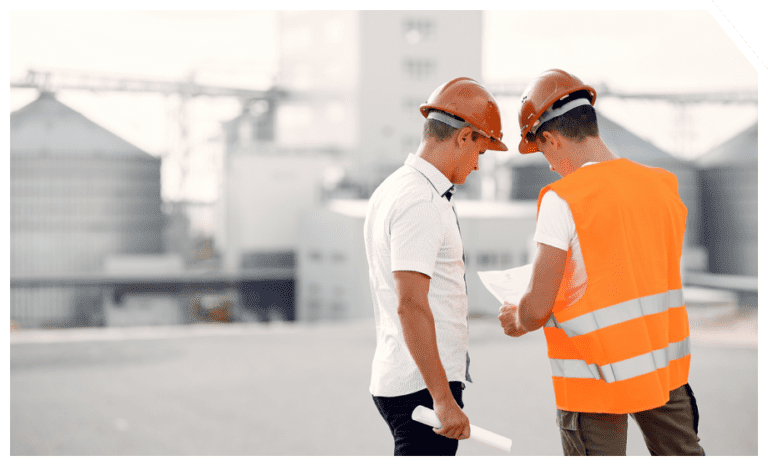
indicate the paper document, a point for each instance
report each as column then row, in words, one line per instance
column 507, row 285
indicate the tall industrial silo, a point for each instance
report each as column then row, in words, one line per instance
column 78, row 193
column 531, row 171
column 729, row 224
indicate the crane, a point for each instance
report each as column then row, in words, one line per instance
column 738, row 97
column 51, row 82
column 47, row 81
column 268, row 99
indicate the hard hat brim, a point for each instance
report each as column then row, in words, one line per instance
column 527, row 147
column 497, row 145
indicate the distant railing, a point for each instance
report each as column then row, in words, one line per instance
column 57, row 300
column 745, row 286
column 722, row 281
column 110, row 279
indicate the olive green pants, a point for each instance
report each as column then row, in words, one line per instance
column 671, row 429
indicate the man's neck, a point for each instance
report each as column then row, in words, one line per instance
column 435, row 155
column 591, row 149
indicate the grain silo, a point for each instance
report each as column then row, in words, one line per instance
column 531, row 171
column 729, row 179
column 78, row 193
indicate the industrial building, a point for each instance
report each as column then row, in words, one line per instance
column 365, row 74
column 341, row 132
column 264, row 192
column 78, row 194
column 332, row 276
column 729, row 197
column 83, row 201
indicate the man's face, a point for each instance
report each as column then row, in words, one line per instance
column 470, row 159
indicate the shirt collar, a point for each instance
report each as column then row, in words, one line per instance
column 435, row 176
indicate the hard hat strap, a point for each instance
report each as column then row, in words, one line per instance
column 550, row 113
column 453, row 122
column 448, row 120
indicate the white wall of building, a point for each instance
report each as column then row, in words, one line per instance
column 496, row 236
column 405, row 56
column 332, row 269
column 366, row 73
column 265, row 195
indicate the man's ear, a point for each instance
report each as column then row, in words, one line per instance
column 463, row 136
column 551, row 138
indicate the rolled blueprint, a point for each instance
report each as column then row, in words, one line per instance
column 427, row 416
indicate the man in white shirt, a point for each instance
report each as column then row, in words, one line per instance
column 416, row 269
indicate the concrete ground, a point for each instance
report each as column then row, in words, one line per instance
column 302, row 389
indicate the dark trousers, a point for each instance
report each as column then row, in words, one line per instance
column 671, row 429
column 414, row 438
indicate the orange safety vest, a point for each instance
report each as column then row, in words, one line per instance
column 624, row 344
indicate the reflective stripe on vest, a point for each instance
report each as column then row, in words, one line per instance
column 622, row 370
column 618, row 313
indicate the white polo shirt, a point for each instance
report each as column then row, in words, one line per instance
column 410, row 225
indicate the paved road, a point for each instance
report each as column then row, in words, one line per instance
column 282, row 389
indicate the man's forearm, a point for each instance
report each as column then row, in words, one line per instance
column 419, row 334
column 538, row 301
column 533, row 313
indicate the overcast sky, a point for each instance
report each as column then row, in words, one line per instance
column 717, row 48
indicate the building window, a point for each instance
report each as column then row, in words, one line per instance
column 337, row 309
column 418, row 30
column 487, row 259
column 267, row 259
column 419, row 68
column 504, row 260
column 493, row 260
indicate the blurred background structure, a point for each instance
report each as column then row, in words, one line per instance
column 170, row 169
column 103, row 234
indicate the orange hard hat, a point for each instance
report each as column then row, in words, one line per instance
column 541, row 93
column 470, row 101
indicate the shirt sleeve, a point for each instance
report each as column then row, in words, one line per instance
column 416, row 237
column 555, row 226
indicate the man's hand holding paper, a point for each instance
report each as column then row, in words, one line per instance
column 510, row 321
column 507, row 285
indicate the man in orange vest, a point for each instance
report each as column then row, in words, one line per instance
column 606, row 283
